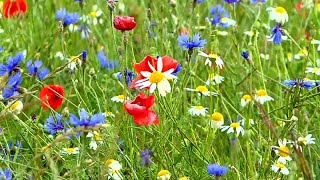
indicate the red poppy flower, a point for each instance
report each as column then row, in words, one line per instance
column 139, row 109
column 52, row 95
column 12, row 8
column 124, row 23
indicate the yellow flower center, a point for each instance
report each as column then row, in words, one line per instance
column 97, row 137
column 280, row 165
column 247, row 97
column 184, row 178
column 302, row 141
column 284, row 151
column 202, row 89
column 217, row 117
column 211, row 76
column 70, row 150
column 156, row 77
column 93, row 14
column 121, row 97
column 15, row 105
column 198, row 107
column 289, row 55
column 225, row 19
column 261, row 92
column 163, row 173
column 280, row 10
column 303, row 52
column 109, row 113
column 215, row 56
column 110, row 161
column 235, row 125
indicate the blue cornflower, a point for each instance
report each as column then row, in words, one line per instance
column 200, row 1
column 302, row 83
column 217, row 170
column 231, row 1
column 5, row 174
column 218, row 12
column 129, row 75
column 12, row 63
column 84, row 55
column 85, row 31
column 53, row 126
column 104, row 62
column 245, row 55
column 196, row 42
column 12, row 85
column 257, row 1
column 11, row 150
column 85, row 120
column 33, row 69
column 178, row 69
column 277, row 35
column 145, row 157
column 67, row 17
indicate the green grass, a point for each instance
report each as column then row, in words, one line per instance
column 181, row 143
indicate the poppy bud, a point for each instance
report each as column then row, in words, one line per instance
column 124, row 23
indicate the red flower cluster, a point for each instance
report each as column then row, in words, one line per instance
column 140, row 110
column 124, row 23
column 52, row 95
column 12, row 8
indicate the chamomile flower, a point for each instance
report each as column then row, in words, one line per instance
column 70, row 151
column 119, row 98
column 163, row 175
column 95, row 14
column 282, row 151
column 216, row 120
column 306, row 140
column 280, row 167
column 317, row 42
column 15, row 107
column 216, row 57
column 279, row 14
column 227, row 22
column 314, row 70
column 233, row 127
column 301, row 53
column 113, row 170
column 198, row 110
column 202, row 90
column 214, row 79
column 289, row 56
column 262, row 96
column 95, row 137
column 245, row 100
column 109, row 114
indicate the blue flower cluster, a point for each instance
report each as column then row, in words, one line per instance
column 105, row 63
column 5, row 174
column 187, row 44
column 129, row 75
column 67, row 17
column 33, row 68
column 300, row 82
column 85, row 120
column 218, row 12
column 53, row 126
column 12, row 63
column 217, row 170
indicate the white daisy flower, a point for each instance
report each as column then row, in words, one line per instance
column 306, row 140
column 95, row 137
column 214, row 79
column 202, row 90
column 163, row 175
column 301, row 53
column 317, row 42
column 282, row 151
column 216, row 120
column 245, row 100
column 315, row 70
column 198, row 110
column 70, row 151
column 113, row 169
column 119, row 98
column 15, row 107
column 243, row 121
column 218, row 60
column 262, row 96
column 233, row 127
column 227, row 22
column 280, row 167
column 156, row 79
column 279, row 14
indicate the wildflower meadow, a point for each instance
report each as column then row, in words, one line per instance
column 160, row 89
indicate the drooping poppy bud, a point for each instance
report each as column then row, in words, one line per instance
column 51, row 95
column 124, row 23
column 13, row 8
